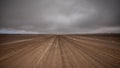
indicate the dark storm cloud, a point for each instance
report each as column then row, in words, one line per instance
column 60, row 16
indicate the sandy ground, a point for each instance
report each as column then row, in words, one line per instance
column 60, row 51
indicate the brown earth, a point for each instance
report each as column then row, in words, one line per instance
column 60, row 51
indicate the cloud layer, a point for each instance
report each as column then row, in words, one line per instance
column 60, row 16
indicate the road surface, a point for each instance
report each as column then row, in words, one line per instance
column 60, row 51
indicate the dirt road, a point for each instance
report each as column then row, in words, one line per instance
column 60, row 51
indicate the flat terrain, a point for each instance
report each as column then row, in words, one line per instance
column 60, row 51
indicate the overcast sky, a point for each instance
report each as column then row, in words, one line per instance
column 59, row 16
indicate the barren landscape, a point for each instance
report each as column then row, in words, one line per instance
column 60, row 51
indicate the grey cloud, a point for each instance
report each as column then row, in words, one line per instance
column 60, row 16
